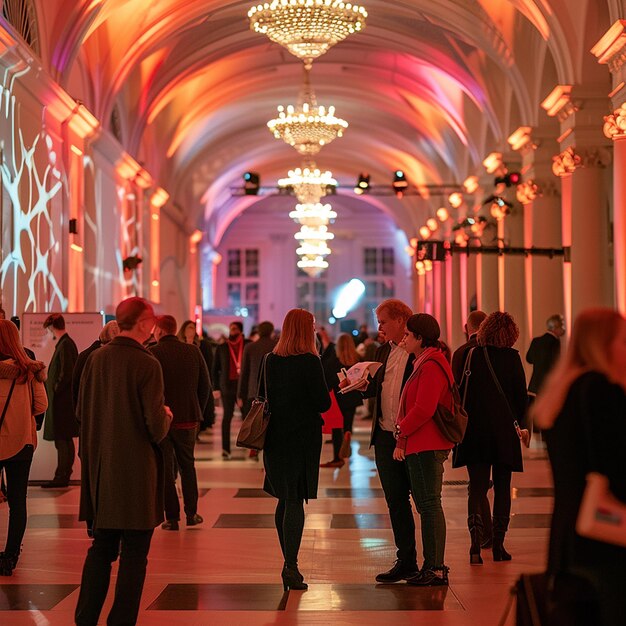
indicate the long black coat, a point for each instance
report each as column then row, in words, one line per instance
column 60, row 420
column 122, row 418
column 588, row 435
column 221, row 367
column 332, row 365
column 297, row 395
column 253, row 354
column 490, row 436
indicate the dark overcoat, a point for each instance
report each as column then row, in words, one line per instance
column 253, row 354
column 490, row 436
column 186, row 378
column 588, row 435
column 122, row 419
column 297, row 395
column 542, row 354
column 60, row 420
column 220, row 376
column 332, row 365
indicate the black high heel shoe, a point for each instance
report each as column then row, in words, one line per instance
column 8, row 562
column 293, row 579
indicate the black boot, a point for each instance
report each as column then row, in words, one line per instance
column 500, row 526
column 293, row 579
column 475, row 525
column 486, row 536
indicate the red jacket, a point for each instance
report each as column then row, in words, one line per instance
column 427, row 387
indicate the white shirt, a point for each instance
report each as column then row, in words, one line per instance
column 392, row 387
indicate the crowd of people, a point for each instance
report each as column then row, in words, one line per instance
column 152, row 385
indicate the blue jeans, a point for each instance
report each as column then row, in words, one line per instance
column 426, row 476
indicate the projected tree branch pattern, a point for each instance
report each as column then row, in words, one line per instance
column 29, row 256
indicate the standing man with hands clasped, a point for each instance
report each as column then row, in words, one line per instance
column 122, row 420
column 386, row 387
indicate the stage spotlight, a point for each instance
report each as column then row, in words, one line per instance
column 251, row 183
column 508, row 180
column 400, row 183
column 362, row 184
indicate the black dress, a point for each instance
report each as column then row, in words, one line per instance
column 491, row 437
column 589, row 435
column 297, row 395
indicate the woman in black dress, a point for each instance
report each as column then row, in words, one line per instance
column 297, row 395
column 491, row 445
column 582, row 406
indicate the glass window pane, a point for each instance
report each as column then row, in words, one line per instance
column 388, row 262
column 252, row 263
column 234, row 294
column 370, row 261
column 252, row 293
column 234, row 263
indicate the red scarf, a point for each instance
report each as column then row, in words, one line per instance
column 235, row 348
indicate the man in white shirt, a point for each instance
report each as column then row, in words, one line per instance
column 386, row 387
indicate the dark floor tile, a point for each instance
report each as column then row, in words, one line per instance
column 202, row 491
column 55, row 520
column 221, row 597
column 367, row 597
column 251, row 493
column 32, row 597
column 531, row 520
column 360, row 520
column 455, row 483
column 347, row 492
column 534, row 492
column 247, row 520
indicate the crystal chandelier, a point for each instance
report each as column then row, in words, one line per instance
column 308, row 127
column 309, row 183
column 313, row 248
column 313, row 214
column 307, row 28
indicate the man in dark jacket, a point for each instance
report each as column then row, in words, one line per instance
column 474, row 320
column 386, row 387
column 187, row 389
column 544, row 352
column 122, row 420
column 60, row 424
column 225, row 377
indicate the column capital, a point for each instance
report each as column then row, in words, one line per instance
column 527, row 192
column 615, row 123
column 522, row 141
column 611, row 48
column 560, row 104
column 570, row 159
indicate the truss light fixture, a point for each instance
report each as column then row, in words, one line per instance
column 251, row 183
column 362, row 184
column 400, row 183
column 307, row 28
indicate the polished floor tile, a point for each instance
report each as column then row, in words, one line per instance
column 226, row 572
column 198, row 597
column 32, row 597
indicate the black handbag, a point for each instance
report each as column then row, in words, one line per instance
column 451, row 423
column 252, row 431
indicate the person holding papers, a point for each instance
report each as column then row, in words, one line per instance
column 386, row 387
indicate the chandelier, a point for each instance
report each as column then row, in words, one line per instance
column 307, row 28
column 308, row 127
column 309, row 183
column 313, row 248
column 313, row 214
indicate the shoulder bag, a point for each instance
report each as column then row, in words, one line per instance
column 453, row 422
column 601, row 516
column 252, row 431
column 522, row 433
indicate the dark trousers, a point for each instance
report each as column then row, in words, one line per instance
column 132, row 547
column 394, row 478
column 178, row 448
column 479, row 474
column 229, row 397
column 426, row 472
column 16, row 470
column 208, row 416
column 66, row 452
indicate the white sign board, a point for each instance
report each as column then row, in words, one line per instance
column 84, row 329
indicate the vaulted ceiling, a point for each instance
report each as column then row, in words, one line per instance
column 429, row 86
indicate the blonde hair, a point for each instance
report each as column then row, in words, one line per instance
column 10, row 345
column 297, row 335
column 589, row 350
column 346, row 350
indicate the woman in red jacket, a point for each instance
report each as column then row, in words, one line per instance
column 421, row 443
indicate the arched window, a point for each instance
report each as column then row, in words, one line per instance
column 22, row 16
